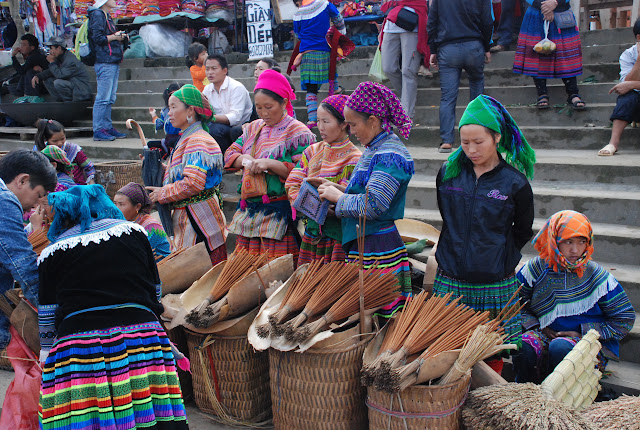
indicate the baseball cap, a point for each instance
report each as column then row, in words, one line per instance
column 56, row 41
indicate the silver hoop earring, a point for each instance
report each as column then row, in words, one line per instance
column 189, row 119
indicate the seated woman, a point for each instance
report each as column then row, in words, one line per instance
column 61, row 163
column 134, row 203
column 567, row 294
column 331, row 160
column 102, row 316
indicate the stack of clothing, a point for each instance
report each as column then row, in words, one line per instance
column 135, row 7
column 167, row 7
column 221, row 9
column 121, row 9
column 81, row 7
column 151, row 7
column 193, row 6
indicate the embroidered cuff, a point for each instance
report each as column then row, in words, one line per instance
column 47, row 325
column 585, row 327
column 529, row 321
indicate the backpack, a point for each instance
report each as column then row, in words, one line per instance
column 84, row 48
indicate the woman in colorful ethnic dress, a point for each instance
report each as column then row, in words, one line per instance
column 135, row 204
column 192, row 179
column 564, row 63
column 59, row 160
column 377, row 188
column 311, row 22
column 267, row 151
column 486, row 205
column 331, row 160
column 102, row 316
column 567, row 294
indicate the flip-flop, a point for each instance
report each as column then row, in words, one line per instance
column 575, row 105
column 543, row 99
column 607, row 151
column 445, row 150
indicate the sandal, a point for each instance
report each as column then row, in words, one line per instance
column 445, row 148
column 578, row 104
column 542, row 102
column 608, row 150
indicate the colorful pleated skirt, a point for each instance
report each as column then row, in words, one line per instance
column 314, row 69
column 387, row 249
column 484, row 297
column 322, row 249
column 274, row 248
column 565, row 62
column 114, row 379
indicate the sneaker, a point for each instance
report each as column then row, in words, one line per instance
column 115, row 133
column 102, row 135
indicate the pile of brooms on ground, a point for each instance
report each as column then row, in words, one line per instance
column 428, row 327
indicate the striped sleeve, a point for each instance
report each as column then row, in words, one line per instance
column 296, row 176
column 618, row 312
column 381, row 187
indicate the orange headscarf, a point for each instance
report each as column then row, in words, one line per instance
column 564, row 225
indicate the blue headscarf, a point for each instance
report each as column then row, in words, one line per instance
column 81, row 205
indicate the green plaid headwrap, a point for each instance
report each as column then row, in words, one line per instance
column 56, row 154
column 191, row 96
column 488, row 112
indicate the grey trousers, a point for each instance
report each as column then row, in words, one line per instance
column 64, row 90
column 402, row 74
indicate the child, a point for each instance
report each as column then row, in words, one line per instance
column 172, row 134
column 51, row 132
column 197, row 54
column 331, row 160
column 61, row 163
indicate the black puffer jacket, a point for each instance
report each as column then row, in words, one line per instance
column 100, row 26
column 486, row 222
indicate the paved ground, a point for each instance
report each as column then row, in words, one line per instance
column 197, row 419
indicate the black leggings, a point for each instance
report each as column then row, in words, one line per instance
column 570, row 85
column 312, row 88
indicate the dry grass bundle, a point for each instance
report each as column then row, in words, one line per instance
column 519, row 406
column 333, row 279
column 239, row 265
column 378, row 289
column 619, row 414
column 39, row 240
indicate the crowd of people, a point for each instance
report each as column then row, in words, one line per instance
column 104, row 314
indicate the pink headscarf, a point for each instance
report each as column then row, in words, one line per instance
column 337, row 101
column 276, row 82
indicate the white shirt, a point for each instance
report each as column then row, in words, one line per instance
column 627, row 60
column 233, row 101
column 392, row 28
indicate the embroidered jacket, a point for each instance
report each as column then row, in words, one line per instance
column 311, row 23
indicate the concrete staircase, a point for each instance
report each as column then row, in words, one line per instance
column 569, row 174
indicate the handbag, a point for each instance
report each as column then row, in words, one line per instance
column 565, row 20
column 407, row 19
column 253, row 185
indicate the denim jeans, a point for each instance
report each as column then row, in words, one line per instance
column 505, row 29
column 107, row 79
column 452, row 59
column 526, row 361
column 224, row 134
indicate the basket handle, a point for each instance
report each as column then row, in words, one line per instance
column 130, row 123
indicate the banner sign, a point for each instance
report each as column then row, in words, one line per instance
column 259, row 33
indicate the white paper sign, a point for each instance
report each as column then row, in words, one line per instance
column 259, row 33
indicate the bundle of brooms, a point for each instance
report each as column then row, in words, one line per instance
column 424, row 329
column 239, row 265
column 39, row 240
column 619, row 414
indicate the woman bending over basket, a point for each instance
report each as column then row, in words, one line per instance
column 567, row 294
column 192, row 179
column 378, row 185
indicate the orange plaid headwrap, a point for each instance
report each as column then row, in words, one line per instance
column 564, row 225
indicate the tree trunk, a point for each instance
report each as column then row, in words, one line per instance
column 14, row 9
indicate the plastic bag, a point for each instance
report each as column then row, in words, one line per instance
column 545, row 46
column 376, row 73
column 137, row 48
column 20, row 407
column 164, row 41
column 218, row 43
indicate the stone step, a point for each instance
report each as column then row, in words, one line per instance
column 624, row 378
column 630, row 345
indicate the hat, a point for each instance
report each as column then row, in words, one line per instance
column 55, row 41
column 99, row 3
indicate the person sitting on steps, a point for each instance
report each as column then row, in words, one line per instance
column 628, row 90
column 34, row 62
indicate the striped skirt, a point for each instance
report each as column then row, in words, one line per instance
column 116, row 379
column 387, row 249
column 565, row 62
column 322, row 249
column 314, row 69
column 484, row 297
column 274, row 248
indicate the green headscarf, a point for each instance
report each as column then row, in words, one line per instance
column 488, row 112
column 191, row 96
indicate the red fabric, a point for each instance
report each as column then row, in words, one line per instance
column 497, row 11
column 276, row 82
column 20, row 407
column 518, row 11
column 337, row 40
column 496, row 364
column 420, row 6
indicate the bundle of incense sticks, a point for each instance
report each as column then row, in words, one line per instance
column 39, row 240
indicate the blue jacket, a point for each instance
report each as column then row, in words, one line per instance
column 100, row 26
column 454, row 21
column 485, row 222
column 17, row 259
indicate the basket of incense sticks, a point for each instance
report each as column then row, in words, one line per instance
column 183, row 267
column 320, row 388
column 230, row 379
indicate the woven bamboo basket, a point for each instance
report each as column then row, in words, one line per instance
column 230, row 379
column 436, row 407
column 113, row 175
column 179, row 339
column 318, row 389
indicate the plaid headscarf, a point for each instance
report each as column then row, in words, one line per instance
column 488, row 112
column 276, row 82
column 377, row 100
column 338, row 102
column 561, row 226
column 138, row 195
column 191, row 96
column 56, row 154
